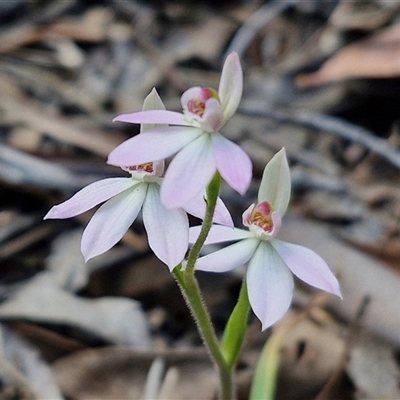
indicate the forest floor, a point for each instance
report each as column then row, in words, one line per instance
column 320, row 79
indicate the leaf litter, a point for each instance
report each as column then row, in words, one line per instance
column 322, row 81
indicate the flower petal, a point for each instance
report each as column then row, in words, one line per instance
column 167, row 230
column 222, row 215
column 151, row 102
column 90, row 196
column 232, row 162
column 152, row 117
column 213, row 116
column 269, row 285
column 153, row 145
column 219, row 234
column 111, row 221
column 229, row 257
column 189, row 173
column 275, row 184
column 307, row 265
column 197, row 207
column 231, row 85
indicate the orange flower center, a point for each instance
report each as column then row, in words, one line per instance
column 147, row 167
column 198, row 105
column 262, row 216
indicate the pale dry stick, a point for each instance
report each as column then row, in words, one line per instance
column 19, row 168
column 258, row 20
column 154, row 379
column 25, row 240
column 334, row 126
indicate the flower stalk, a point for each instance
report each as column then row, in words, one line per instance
column 191, row 292
column 190, row 289
column 212, row 197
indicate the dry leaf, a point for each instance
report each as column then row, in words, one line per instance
column 30, row 368
column 375, row 57
column 115, row 320
column 373, row 369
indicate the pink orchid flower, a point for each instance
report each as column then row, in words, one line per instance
column 271, row 262
column 124, row 197
column 194, row 136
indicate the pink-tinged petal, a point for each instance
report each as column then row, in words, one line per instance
column 195, row 92
column 222, row 215
column 154, row 145
column 275, row 184
column 152, row 117
column 231, row 85
column 189, row 173
column 229, row 257
column 219, row 234
column 197, row 207
column 90, row 196
column 111, row 221
column 167, row 230
column 213, row 116
column 233, row 163
column 151, row 102
column 269, row 285
column 308, row 266
column 246, row 216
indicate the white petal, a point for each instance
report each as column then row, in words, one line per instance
column 233, row 163
column 219, row 234
column 222, row 215
column 229, row 257
column 111, row 221
column 153, row 145
column 167, row 230
column 189, row 173
column 197, row 207
column 246, row 216
column 152, row 102
column 308, row 266
column 213, row 116
column 90, row 196
column 152, row 117
column 269, row 285
column 275, row 184
column 231, row 85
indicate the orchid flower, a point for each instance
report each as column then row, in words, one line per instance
column 124, row 197
column 194, row 136
column 271, row 262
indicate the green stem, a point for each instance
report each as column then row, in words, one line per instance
column 191, row 291
column 212, row 197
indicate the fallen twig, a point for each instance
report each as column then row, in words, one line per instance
column 333, row 125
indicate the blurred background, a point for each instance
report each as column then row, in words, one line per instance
column 321, row 78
